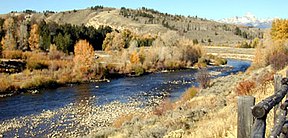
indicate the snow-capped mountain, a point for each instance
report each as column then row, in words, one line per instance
column 249, row 20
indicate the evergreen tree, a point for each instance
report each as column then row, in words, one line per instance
column 63, row 42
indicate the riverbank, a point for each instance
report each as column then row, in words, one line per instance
column 182, row 119
column 211, row 113
column 32, row 81
column 74, row 120
column 88, row 111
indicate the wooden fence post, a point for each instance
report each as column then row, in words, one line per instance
column 245, row 117
column 277, row 86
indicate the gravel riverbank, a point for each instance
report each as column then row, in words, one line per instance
column 180, row 121
column 73, row 120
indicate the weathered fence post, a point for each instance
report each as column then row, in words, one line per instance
column 278, row 127
column 286, row 76
column 277, row 86
column 245, row 117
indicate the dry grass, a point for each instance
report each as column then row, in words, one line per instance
column 37, row 81
column 163, row 107
column 222, row 122
column 122, row 119
column 201, row 102
column 4, row 84
column 219, row 124
column 188, row 94
column 12, row 54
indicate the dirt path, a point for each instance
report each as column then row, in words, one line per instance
column 231, row 52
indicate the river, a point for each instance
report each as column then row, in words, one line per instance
column 21, row 108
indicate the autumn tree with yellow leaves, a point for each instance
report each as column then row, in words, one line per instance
column 83, row 58
column 134, row 58
column 34, row 38
column 8, row 42
column 279, row 30
column 276, row 51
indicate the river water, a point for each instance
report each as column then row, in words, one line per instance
column 122, row 89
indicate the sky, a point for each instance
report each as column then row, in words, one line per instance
column 210, row 9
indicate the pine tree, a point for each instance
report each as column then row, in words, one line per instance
column 63, row 42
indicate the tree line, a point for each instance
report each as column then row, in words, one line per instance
column 20, row 33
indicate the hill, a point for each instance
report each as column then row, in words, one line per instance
column 149, row 21
column 145, row 20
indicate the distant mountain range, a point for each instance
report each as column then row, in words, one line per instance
column 249, row 20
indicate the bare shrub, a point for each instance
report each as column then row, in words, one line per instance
column 245, row 87
column 278, row 60
column 163, row 107
column 54, row 54
column 265, row 77
column 263, row 80
column 203, row 78
column 258, row 60
column 189, row 51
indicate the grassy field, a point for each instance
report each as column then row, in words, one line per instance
column 231, row 52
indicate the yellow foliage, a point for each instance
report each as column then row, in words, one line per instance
column 12, row 54
column 34, row 38
column 8, row 42
column 279, row 30
column 84, row 55
column 113, row 41
column 134, row 58
column 4, row 84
